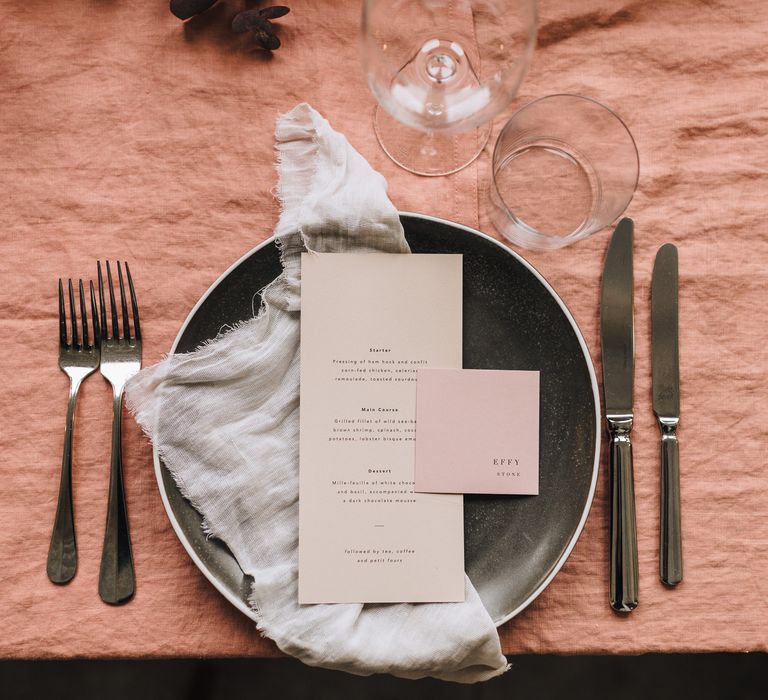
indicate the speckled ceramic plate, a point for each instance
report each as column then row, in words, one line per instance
column 513, row 319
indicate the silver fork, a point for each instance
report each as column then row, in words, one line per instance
column 120, row 360
column 77, row 360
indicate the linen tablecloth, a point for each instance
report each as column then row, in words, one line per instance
column 125, row 134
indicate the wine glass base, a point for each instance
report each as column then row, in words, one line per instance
column 428, row 153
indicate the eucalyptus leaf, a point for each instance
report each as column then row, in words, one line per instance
column 249, row 19
column 275, row 11
column 184, row 9
column 268, row 41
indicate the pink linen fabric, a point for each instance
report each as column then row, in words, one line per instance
column 127, row 135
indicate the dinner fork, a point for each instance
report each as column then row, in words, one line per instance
column 120, row 360
column 77, row 360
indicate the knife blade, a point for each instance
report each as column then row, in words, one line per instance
column 618, row 359
column 666, row 406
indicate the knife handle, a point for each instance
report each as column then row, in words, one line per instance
column 624, row 574
column 671, row 544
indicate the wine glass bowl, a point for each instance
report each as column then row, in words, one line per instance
column 443, row 67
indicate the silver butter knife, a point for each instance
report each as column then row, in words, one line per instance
column 618, row 347
column 666, row 406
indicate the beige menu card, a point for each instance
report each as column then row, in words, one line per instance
column 368, row 323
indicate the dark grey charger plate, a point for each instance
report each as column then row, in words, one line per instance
column 512, row 320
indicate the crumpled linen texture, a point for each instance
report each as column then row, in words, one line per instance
column 126, row 134
column 225, row 419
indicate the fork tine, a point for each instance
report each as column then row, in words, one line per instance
column 102, row 305
column 134, row 305
column 83, row 317
column 73, row 320
column 123, row 303
column 62, row 317
column 112, row 304
column 95, row 316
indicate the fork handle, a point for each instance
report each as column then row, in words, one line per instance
column 62, row 552
column 116, row 576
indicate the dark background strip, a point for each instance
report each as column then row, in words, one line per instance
column 658, row 676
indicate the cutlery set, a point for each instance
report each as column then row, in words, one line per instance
column 116, row 352
column 618, row 355
column 112, row 344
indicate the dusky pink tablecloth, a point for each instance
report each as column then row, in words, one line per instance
column 127, row 135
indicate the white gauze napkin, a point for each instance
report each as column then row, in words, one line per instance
column 225, row 419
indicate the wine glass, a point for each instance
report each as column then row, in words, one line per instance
column 440, row 71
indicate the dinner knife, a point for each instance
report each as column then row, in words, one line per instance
column 618, row 348
column 666, row 406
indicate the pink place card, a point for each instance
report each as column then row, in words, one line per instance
column 477, row 431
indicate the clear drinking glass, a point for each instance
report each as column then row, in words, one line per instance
column 564, row 166
column 442, row 67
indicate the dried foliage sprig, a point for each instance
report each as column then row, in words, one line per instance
column 256, row 21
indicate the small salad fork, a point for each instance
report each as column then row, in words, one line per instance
column 120, row 360
column 77, row 360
